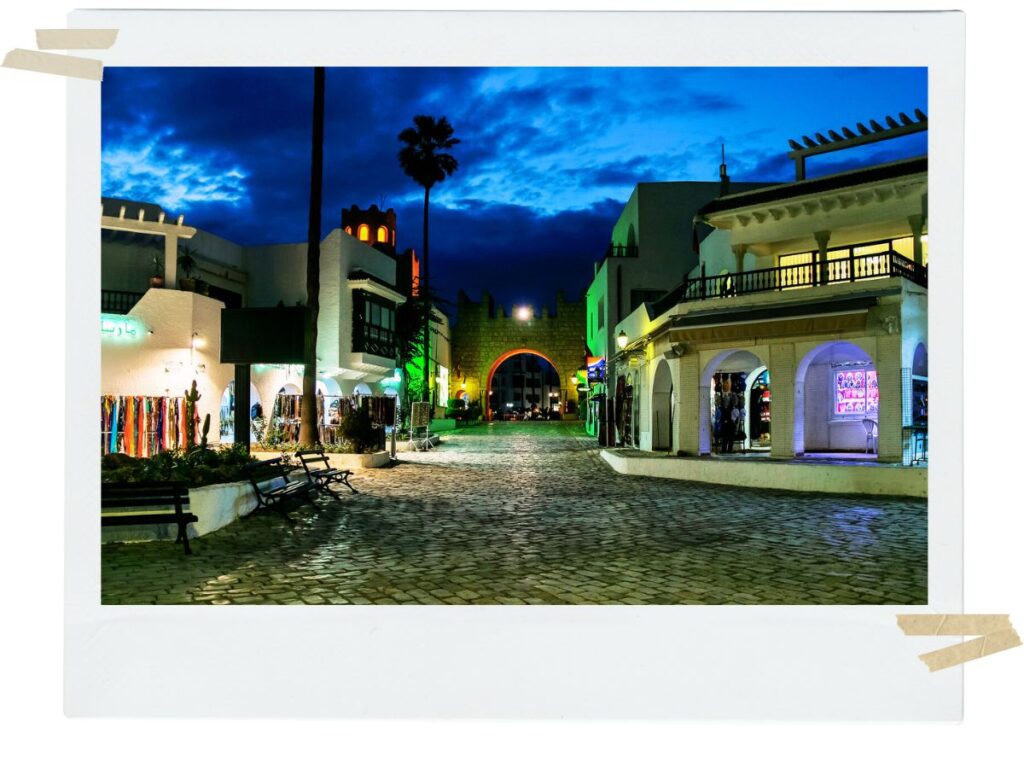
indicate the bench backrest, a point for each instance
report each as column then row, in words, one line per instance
column 264, row 474
column 313, row 457
column 142, row 494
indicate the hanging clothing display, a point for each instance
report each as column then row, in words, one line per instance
column 141, row 426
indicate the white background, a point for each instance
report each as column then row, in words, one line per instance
column 32, row 214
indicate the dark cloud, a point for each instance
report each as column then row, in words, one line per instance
column 548, row 155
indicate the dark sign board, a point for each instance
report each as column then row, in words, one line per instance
column 262, row 335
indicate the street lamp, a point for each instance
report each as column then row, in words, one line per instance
column 524, row 313
column 621, row 340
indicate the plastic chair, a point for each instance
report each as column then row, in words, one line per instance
column 871, row 430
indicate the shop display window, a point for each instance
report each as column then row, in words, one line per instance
column 856, row 392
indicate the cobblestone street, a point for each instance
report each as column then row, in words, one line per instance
column 529, row 513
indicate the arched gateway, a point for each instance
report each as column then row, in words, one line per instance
column 485, row 336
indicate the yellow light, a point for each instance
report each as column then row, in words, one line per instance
column 523, row 313
column 621, row 340
column 198, row 342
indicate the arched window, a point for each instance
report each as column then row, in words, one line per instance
column 382, row 234
column 348, row 230
column 364, row 232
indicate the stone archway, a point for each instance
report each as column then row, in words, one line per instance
column 508, row 356
column 486, row 335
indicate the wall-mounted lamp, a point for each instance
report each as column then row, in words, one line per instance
column 523, row 313
column 198, row 342
column 622, row 340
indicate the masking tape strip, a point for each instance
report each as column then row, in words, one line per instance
column 72, row 39
column 952, row 624
column 54, row 64
column 985, row 645
column 995, row 630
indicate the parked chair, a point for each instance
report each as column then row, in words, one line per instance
column 871, row 430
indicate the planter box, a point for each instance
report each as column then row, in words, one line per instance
column 214, row 505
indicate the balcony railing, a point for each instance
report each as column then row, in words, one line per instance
column 118, row 302
column 847, row 270
column 373, row 340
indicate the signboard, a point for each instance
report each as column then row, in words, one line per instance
column 596, row 368
column 262, row 335
column 120, row 327
column 420, row 415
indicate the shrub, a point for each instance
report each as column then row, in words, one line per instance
column 195, row 468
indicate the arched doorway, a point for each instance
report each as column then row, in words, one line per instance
column 227, row 412
column 523, row 384
column 836, row 402
column 727, row 384
column 661, row 408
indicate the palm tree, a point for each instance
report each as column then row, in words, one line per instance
column 424, row 158
column 309, row 431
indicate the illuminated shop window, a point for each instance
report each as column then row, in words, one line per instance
column 364, row 232
column 856, row 392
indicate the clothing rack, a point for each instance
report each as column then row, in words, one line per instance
column 142, row 426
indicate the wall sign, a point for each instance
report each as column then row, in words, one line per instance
column 120, row 327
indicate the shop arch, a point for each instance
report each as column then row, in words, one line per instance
column 486, row 396
column 227, row 411
column 661, row 408
column 362, row 389
column 747, row 366
column 827, row 417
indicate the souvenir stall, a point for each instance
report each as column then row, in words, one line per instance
column 142, row 426
column 760, row 412
column 728, row 411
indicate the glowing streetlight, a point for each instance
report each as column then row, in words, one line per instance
column 621, row 340
column 523, row 313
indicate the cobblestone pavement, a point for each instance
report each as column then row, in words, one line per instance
column 529, row 513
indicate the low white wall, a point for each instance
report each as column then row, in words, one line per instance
column 214, row 505
column 339, row 460
column 753, row 473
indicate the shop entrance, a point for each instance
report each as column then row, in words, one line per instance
column 736, row 414
column 227, row 412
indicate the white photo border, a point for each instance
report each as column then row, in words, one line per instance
column 715, row 662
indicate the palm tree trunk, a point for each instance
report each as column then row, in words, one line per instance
column 309, row 432
column 425, row 296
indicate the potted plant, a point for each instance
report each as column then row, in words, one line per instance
column 187, row 265
column 157, row 278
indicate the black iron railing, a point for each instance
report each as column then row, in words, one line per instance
column 846, row 270
column 374, row 340
column 118, row 302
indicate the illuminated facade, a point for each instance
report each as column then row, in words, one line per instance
column 179, row 307
column 801, row 331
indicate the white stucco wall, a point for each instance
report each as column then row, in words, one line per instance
column 162, row 362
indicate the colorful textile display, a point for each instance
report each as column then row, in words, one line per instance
column 141, row 426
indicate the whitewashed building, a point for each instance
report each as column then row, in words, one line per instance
column 802, row 331
column 157, row 338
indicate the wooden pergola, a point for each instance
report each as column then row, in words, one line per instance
column 170, row 231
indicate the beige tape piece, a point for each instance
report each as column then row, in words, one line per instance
column 75, row 39
column 54, row 64
column 985, row 645
column 952, row 623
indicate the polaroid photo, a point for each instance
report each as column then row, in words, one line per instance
column 582, row 367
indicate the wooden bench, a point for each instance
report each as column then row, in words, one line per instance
column 147, row 503
column 326, row 476
column 273, row 495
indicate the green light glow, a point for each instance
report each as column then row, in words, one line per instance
column 121, row 327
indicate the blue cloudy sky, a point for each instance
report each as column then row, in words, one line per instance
column 547, row 160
